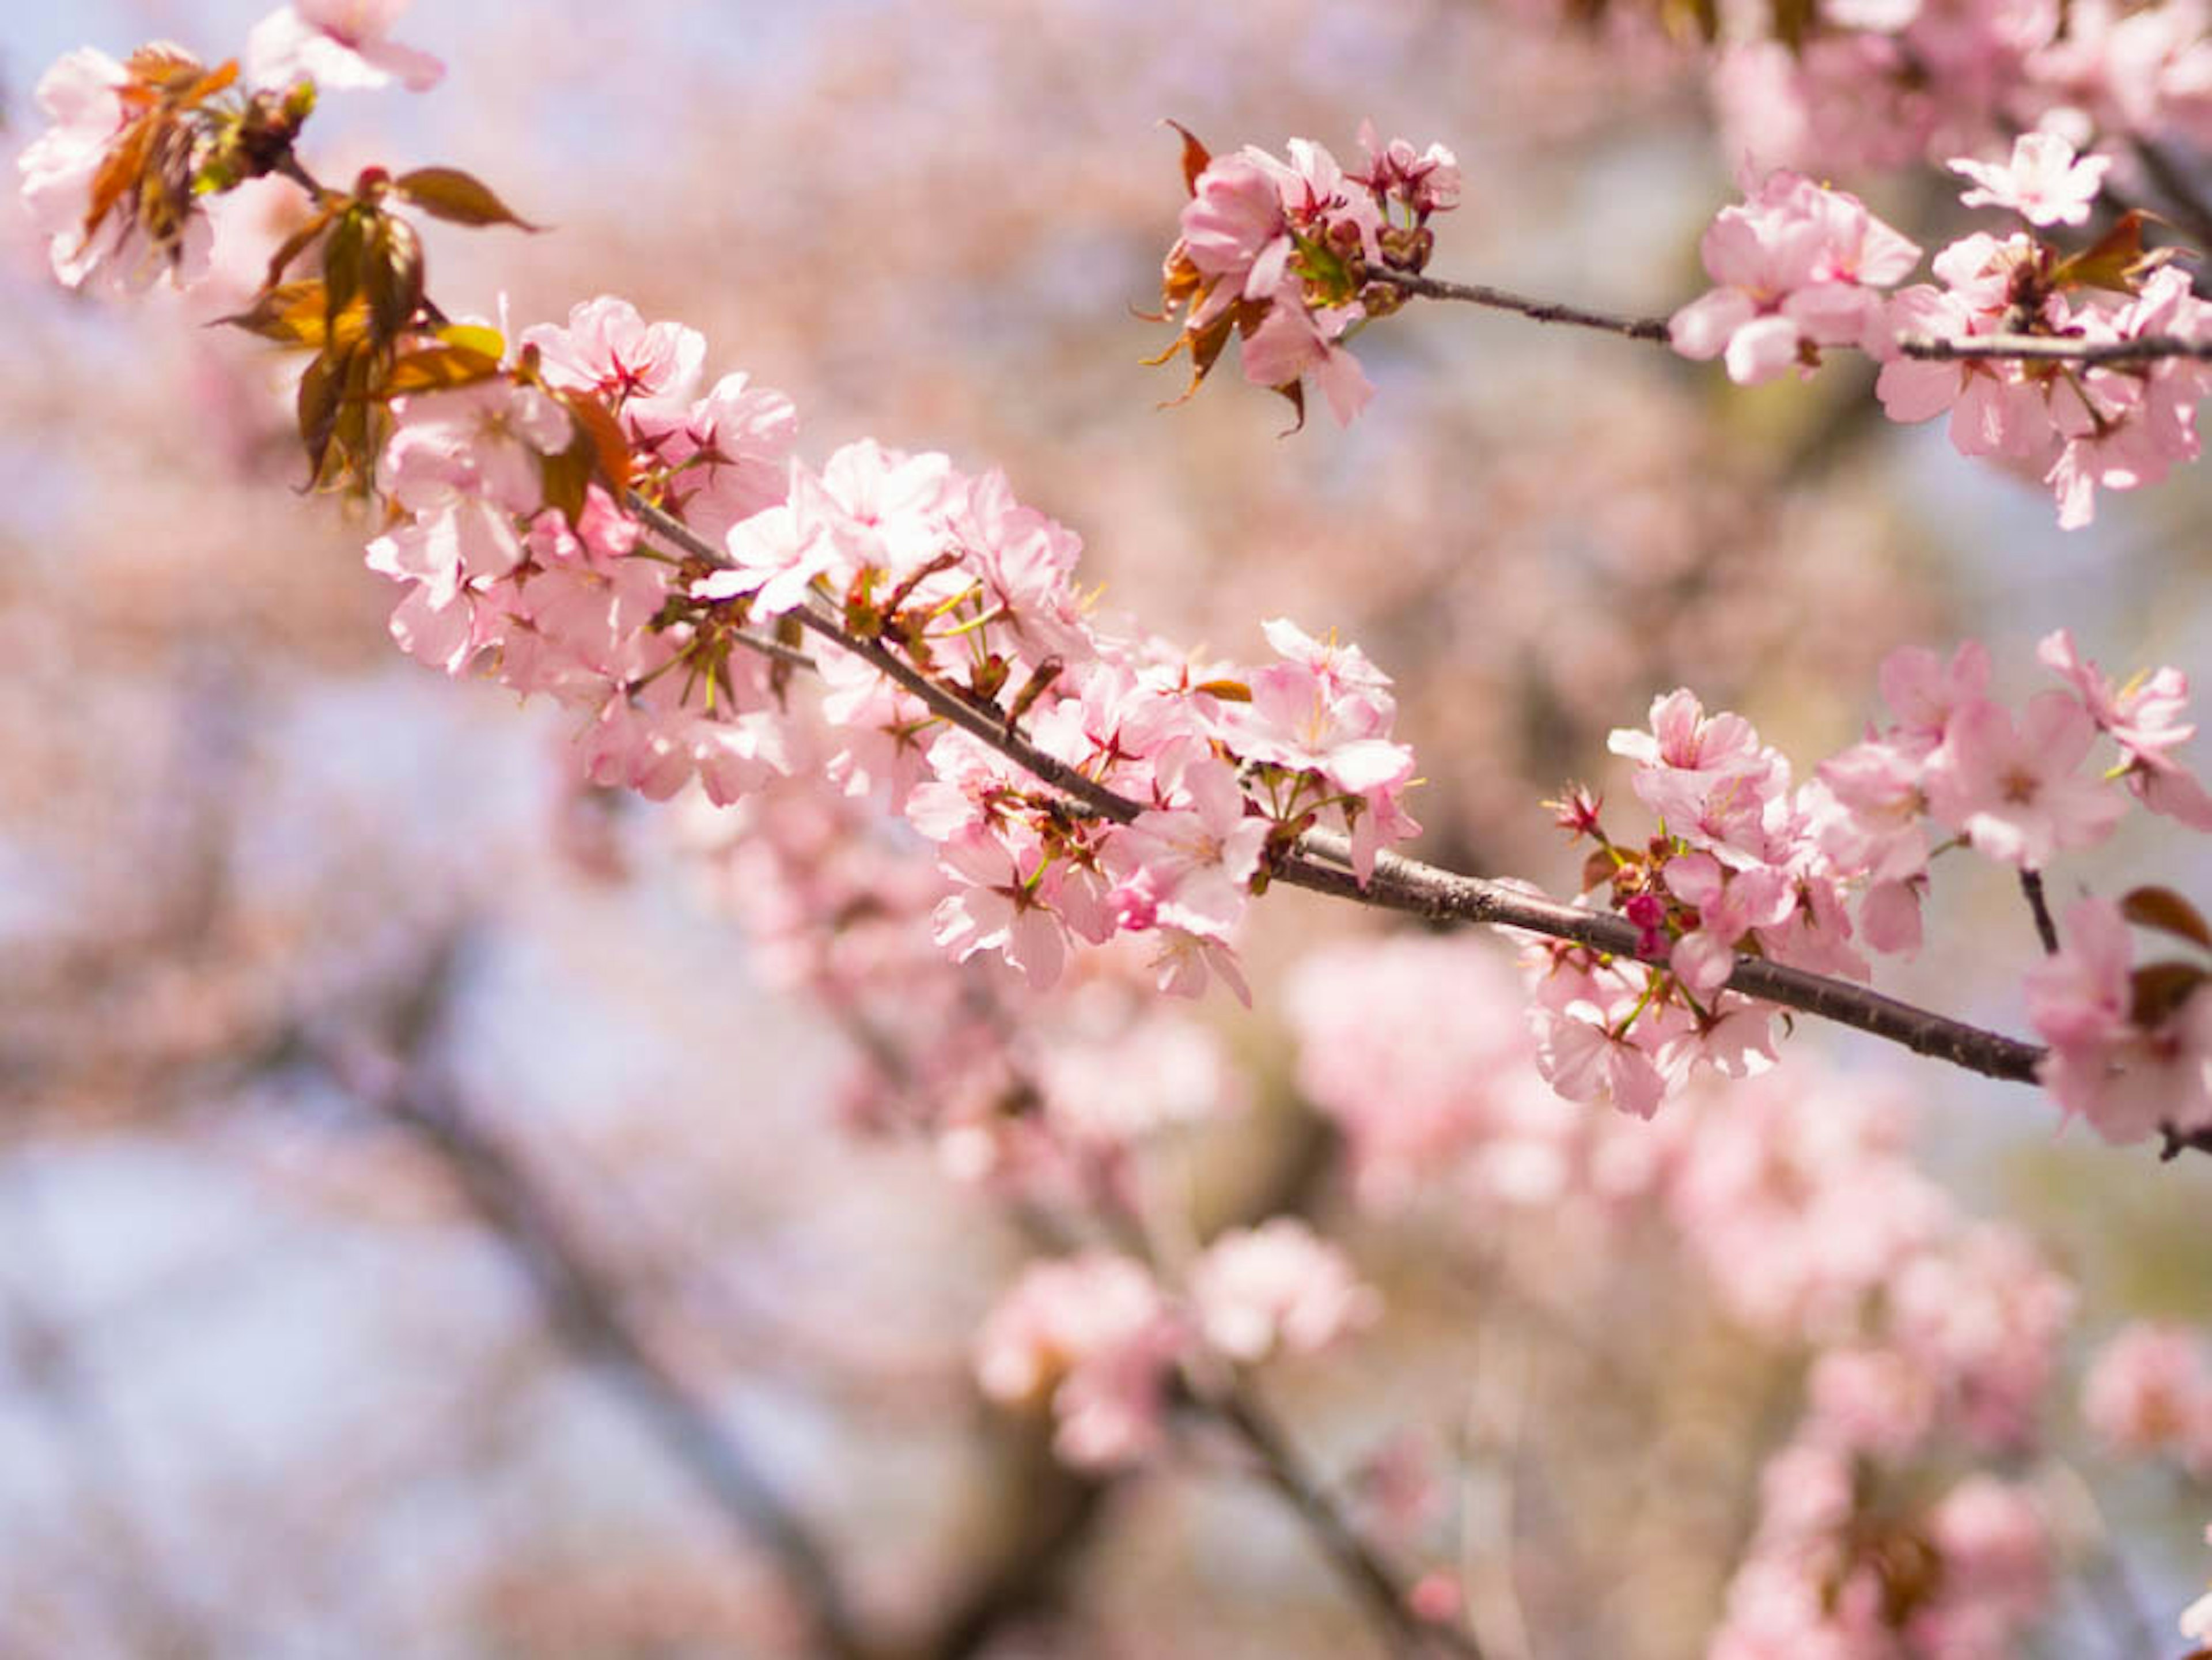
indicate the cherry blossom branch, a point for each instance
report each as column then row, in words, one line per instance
column 2043, row 348
column 1320, row 863
column 2004, row 347
column 1441, row 896
column 1653, row 329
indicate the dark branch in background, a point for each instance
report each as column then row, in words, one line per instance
column 2181, row 192
column 582, row 1300
column 581, row 1303
column 1320, row 863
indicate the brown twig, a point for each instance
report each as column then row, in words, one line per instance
column 2006, row 348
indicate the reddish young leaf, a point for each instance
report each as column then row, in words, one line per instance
column 2168, row 912
column 1195, row 157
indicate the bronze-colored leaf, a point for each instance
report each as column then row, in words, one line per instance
column 2117, row 260
column 344, row 253
column 162, row 63
column 606, row 446
column 437, row 369
column 462, row 198
column 1229, row 692
column 1195, row 157
column 2161, row 988
column 295, row 245
column 392, row 276
column 567, row 478
column 321, row 390
column 2168, row 912
column 290, row 313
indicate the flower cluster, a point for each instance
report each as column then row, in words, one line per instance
column 913, row 563
column 1797, row 267
column 1884, row 82
column 2130, row 1047
column 120, row 180
column 1097, row 1335
column 2075, row 425
column 1293, row 256
column 1746, row 863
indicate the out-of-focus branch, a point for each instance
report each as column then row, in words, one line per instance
column 1240, row 1410
column 584, row 1306
column 2182, row 193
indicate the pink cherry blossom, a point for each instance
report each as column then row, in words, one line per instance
column 81, row 97
column 607, row 348
column 2128, row 1081
column 487, row 440
column 2016, row 792
column 2043, row 182
column 1279, row 1286
column 340, row 44
column 1095, row 1334
column 1797, row 267
column 2149, row 1393
column 2145, row 718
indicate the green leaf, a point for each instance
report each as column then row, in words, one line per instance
column 459, row 197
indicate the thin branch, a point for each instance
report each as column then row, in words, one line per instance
column 2046, row 349
column 2007, row 348
column 1653, row 329
column 1320, row 863
column 1441, row 896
